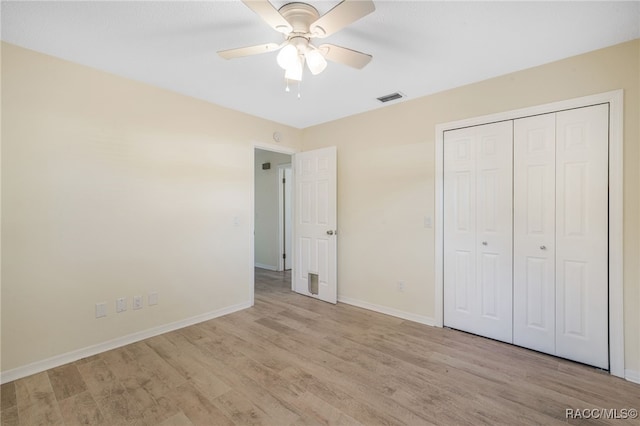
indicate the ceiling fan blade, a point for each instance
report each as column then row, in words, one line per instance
column 250, row 50
column 345, row 56
column 269, row 14
column 343, row 14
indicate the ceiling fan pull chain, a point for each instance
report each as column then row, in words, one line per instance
column 286, row 89
column 299, row 90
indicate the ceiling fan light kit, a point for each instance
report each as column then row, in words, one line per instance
column 287, row 56
column 315, row 61
column 294, row 71
column 300, row 22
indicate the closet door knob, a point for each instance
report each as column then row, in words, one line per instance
column 484, row 243
column 543, row 247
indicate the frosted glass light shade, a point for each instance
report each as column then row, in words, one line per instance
column 294, row 72
column 315, row 61
column 287, row 56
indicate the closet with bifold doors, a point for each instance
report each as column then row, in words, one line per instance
column 526, row 232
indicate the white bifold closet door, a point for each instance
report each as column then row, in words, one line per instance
column 534, row 229
column 560, row 299
column 478, row 229
column 582, row 236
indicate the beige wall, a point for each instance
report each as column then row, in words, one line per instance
column 113, row 188
column 266, row 207
column 386, row 178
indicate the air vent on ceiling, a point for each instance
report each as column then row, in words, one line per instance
column 391, row 97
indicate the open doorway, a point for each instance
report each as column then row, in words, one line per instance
column 272, row 219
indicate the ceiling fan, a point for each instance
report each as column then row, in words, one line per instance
column 299, row 23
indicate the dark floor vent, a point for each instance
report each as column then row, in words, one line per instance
column 391, row 97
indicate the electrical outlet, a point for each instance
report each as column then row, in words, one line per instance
column 121, row 304
column 153, row 298
column 400, row 286
column 137, row 302
column 101, row 310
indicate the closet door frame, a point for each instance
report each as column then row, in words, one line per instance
column 616, row 302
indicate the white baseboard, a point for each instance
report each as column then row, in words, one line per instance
column 268, row 267
column 388, row 311
column 632, row 376
column 58, row 360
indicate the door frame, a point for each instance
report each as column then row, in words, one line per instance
column 273, row 148
column 615, row 99
column 282, row 264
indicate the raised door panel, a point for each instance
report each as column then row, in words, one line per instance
column 582, row 235
column 534, row 233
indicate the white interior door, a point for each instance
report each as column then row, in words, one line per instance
column 534, row 233
column 478, row 230
column 315, row 224
column 582, row 235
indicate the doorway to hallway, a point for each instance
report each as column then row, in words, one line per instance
column 273, row 240
column 272, row 221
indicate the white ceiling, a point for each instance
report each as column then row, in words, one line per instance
column 418, row 47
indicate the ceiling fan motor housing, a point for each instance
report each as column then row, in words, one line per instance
column 300, row 16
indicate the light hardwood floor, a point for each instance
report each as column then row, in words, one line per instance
column 292, row 360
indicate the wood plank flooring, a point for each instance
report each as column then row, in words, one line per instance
column 292, row 360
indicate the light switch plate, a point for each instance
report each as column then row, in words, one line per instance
column 428, row 223
column 153, row 298
column 101, row 310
